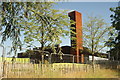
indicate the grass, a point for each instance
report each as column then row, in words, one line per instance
column 58, row 70
column 103, row 73
column 76, row 74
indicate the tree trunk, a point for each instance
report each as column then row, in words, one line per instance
column 42, row 58
column 93, row 67
column 42, row 48
column 92, row 58
column 92, row 51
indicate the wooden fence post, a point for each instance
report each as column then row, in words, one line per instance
column 3, row 72
column 73, row 61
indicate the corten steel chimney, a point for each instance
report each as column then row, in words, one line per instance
column 77, row 43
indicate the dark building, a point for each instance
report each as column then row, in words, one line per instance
column 22, row 55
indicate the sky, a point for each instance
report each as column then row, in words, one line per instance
column 86, row 8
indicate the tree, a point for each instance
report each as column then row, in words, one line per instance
column 13, row 13
column 95, row 34
column 45, row 25
column 115, row 18
column 10, row 16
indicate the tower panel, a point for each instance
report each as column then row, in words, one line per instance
column 77, row 43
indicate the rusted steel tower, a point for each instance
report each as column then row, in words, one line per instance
column 77, row 28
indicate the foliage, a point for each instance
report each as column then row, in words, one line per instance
column 37, row 20
column 95, row 34
column 45, row 25
column 115, row 18
column 10, row 15
column 115, row 42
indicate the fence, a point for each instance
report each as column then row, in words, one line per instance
column 29, row 70
column 55, row 58
column 64, row 58
column 55, row 66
